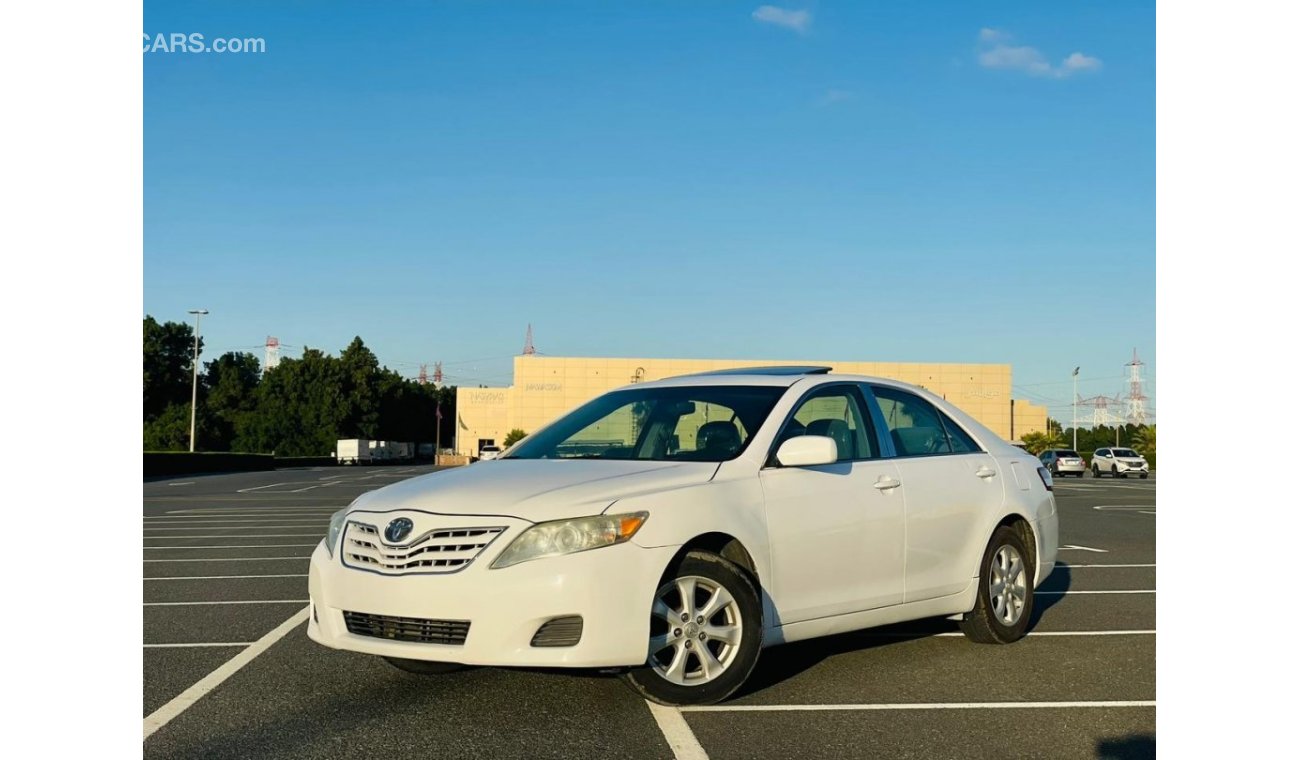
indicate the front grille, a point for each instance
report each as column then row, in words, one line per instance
column 444, row 550
column 418, row 630
column 560, row 632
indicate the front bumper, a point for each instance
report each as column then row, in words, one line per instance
column 611, row 588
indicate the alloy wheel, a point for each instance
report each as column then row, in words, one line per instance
column 695, row 632
column 1008, row 585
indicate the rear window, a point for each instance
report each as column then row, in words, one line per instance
column 1068, row 454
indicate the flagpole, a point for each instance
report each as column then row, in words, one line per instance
column 1075, row 403
column 437, row 436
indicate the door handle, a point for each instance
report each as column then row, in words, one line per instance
column 985, row 472
column 885, row 483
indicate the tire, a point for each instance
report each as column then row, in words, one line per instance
column 1114, row 471
column 1079, row 475
column 1144, row 476
column 424, row 667
column 992, row 621
column 675, row 674
column 1095, row 472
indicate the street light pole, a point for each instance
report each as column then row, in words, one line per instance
column 1075, row 403
column 194, row 386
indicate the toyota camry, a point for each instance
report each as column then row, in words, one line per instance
column 672, row 530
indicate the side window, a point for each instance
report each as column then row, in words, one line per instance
column 837, row 414
column 960, row 441
column 913, row 424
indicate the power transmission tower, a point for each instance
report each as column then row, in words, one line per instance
column 424, row 375
column 272, row 353
column 1136, row 411
column 529, row 349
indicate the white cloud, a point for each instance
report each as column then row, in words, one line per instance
column 1081, row 62
column 796, row 20
column 995, row 53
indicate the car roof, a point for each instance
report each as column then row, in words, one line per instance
column 777, row 376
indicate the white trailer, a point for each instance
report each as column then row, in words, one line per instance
column 353, row 451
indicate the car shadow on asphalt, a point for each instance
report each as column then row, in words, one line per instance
column 783, row 662
column 1131, row 747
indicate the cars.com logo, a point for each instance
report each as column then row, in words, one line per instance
column 179, row 42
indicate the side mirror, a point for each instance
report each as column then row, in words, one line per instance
column 806, row 450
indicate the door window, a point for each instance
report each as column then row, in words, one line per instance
column 913, row 424
column 835, row 412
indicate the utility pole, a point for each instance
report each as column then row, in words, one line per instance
column 194, row 386
column 1075, row 403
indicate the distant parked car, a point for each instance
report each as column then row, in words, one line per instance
column 489, row 452
column 1119, row 463
column 1063, row 462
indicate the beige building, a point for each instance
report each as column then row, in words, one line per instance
column 546, row 387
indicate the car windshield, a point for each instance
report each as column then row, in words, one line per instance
column 1125, row 453
column 705, row 423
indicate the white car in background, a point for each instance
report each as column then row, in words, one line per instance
column 488, row 453
column 673, row 529
column 1119, row 463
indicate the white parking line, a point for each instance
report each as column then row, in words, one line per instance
column 239, row 601
column 239, row 546
column 681, row 739
column 246, row 527
column 1077, row 566
column 920, row 706
column 186, row 483
column 230, row 559
column 1066, row 593
column 200, row 644
column 223, row 577
column 251, row 512
column 259, row 535
column 959, row 634
column 213, row 520
column 1067, row 547
column 1123, row 507
column 160, row 717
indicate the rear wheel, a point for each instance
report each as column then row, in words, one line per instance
column 1005, row 599
column 423, row 667
column 705, row 633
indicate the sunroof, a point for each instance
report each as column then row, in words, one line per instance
column 777, row 371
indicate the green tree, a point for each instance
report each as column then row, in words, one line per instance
column 301, row 408
column 513, row 437
column 168, row 354
column 1037, row 442
column 230, row 393
column 1144, row 442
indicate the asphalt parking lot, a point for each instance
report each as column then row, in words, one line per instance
column 229, row 671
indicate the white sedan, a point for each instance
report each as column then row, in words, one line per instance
column 673, row 529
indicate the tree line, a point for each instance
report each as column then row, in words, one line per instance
column 1140, row 438
column 299, row 408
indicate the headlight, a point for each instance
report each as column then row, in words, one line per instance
column 553, row 539
column 336, row 527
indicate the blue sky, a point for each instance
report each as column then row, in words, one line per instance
column 823, row 180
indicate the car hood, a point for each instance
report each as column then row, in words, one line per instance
column 536, row 490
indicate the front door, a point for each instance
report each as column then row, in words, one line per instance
column 836, row 530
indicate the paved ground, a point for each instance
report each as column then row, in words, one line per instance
column 226, row 563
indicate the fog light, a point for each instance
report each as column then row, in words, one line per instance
column 559, row 632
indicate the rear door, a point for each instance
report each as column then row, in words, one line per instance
column 835, row 530
column 948, row 484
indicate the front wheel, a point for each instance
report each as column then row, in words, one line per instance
column 1005, row 599
column 1144, row 476
column 705, row 633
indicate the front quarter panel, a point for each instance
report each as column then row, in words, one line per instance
column 733, row 507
